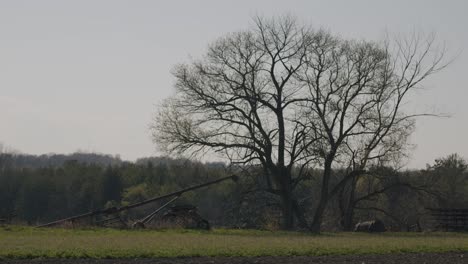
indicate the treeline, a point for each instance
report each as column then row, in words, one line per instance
column 57, row 160
column 44, row 188
column 52, row 187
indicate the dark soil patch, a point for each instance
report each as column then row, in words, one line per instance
column 427, row 258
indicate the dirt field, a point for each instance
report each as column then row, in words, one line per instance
column 428, row 258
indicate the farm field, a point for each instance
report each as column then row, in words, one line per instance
column 33, row 243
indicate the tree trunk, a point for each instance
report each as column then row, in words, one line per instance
column 348, row 214
column 287, row 198
column 318, row 216
column 289, row 205
column 291, row 211
column 288, row 211
column 301, row 219
column 348, row 218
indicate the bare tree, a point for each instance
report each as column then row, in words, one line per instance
column 287, row 97
column 357, row 93
column 241, row 101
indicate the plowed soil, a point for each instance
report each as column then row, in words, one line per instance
column 427, row 258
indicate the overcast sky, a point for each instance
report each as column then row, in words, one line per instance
column 86, row 75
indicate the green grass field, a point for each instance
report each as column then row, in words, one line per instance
column 23, row 242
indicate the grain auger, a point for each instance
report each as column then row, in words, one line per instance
column 140, row 223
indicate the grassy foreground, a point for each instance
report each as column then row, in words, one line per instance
column 22, row 242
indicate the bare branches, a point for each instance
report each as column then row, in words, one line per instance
column 284, row 96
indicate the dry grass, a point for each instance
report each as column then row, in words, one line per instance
column 19, row 242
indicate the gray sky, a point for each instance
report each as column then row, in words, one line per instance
column 86, row 75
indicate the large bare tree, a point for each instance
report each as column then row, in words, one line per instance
column 241, row 100
column 287, row 97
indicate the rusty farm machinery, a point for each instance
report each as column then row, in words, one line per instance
column 186, row 215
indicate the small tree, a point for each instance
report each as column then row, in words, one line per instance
column 449, row 175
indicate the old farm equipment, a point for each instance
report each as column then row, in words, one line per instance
column 113, row 214
column 186, row 216
column 372, row 226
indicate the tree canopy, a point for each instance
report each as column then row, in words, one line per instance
column 287, row 97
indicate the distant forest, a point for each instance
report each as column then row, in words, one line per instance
column 37, row 189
